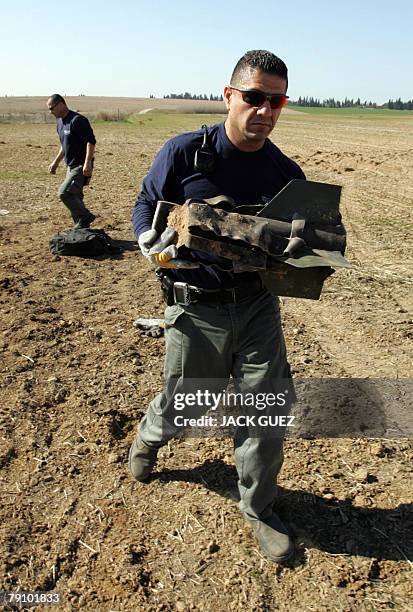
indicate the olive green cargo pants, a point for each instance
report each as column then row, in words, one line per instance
column 245, row 340
column 71, row 193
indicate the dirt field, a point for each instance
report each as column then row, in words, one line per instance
column 76, row 377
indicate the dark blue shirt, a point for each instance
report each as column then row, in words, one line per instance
column 75, row 132
column 248, row 178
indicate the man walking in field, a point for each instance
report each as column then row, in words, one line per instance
column 77, row 149
column 220, row 323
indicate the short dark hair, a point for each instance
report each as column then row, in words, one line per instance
column 56, row 98
column 258, row 60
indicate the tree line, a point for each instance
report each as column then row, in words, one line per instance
column 399, row 105
column 351, row 103
column 308, row 101
column 189, row 96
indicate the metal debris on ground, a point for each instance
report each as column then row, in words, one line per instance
column 150, row 327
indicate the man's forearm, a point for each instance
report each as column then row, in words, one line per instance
column 58, row 157
column 142, row 215
column 90, row 151
column 53, row 166
column 88, row 165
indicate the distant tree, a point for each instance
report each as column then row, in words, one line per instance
column 310, row 101
column 188, row 96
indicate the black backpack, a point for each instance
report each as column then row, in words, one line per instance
column 83, row 242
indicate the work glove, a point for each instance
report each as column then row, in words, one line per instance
column 162, row 252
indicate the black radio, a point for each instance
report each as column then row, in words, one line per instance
column 205, row 156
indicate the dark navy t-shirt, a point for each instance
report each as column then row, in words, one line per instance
column 75, row 132
column 249, row 178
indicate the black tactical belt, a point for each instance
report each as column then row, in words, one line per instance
column 184, row 294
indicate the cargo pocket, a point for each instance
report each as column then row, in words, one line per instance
column 75, row 187
column 172, row 313
column 174, row 343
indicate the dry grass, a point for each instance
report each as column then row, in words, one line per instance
column 32, row 109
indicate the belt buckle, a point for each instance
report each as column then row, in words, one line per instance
column 181, row 294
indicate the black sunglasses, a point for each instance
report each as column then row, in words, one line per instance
column 256, row 98
column 52, row 107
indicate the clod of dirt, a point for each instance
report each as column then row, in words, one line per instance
column 212, row 547
column 377, row 449
column 361, row 475
column 114, row 458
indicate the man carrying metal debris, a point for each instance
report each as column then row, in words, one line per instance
column 221, row 322
column 77, row 149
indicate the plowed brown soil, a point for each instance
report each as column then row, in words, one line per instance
column 76, row 377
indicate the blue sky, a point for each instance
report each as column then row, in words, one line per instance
column 127, row 48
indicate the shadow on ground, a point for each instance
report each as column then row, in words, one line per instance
column 336, row 527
